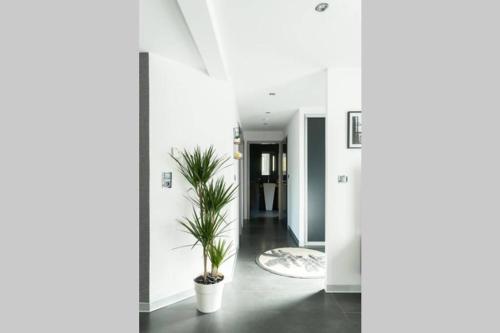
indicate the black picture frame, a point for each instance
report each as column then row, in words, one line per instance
column 354, row 130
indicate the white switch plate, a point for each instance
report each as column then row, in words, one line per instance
column 166, row 179
column 342, row 179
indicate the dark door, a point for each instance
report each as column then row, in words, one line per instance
column 315, row 179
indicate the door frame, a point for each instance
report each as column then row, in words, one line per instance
column 306, row 180
column 246, row 157
column 241, row 185
column 282, row 192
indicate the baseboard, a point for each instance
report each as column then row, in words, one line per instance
column 315, row 244
column 158, row 304
column 296, row 241
column 343, row 288
column 169, row 300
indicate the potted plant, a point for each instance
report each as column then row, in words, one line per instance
column 208, row 222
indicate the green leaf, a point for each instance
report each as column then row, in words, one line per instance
column 219, row 253
column 209, row 198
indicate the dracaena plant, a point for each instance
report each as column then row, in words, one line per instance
column 218, row 253
column 208, row 222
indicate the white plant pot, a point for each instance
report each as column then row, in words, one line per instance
column 209, row 296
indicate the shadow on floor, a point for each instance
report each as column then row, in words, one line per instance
column 259, row 301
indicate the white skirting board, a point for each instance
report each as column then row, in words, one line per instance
column 169, row 300
column 343, row 288
column 148, row 307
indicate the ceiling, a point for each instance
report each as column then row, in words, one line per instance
column 261, row 46
column 284, row 46
column 164, row 31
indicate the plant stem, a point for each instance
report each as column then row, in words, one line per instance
column 205, row 254
column 205, row 265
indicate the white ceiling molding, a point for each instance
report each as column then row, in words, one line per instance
column 200, row 18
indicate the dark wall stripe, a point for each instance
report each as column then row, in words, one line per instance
column 316, row 179
column 144, row 177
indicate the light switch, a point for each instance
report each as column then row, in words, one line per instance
column 342, row 179
column 166, row 179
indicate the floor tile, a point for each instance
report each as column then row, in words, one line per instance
column 259, row 301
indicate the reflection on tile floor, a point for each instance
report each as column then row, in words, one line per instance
column 259, row 301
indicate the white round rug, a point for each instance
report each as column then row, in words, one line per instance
column 297, row 262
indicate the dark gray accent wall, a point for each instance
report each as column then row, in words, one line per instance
column 143, row 177
column 316, row 179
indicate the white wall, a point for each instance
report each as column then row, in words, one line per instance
column 249, row 136
column 295, row 185
column 295, row 131
column 164, row 31
column 187, row 108
column 343, row 225
column 263, row 135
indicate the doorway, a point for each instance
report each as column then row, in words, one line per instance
column 264, row 182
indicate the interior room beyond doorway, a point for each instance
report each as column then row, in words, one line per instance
column 264, row 176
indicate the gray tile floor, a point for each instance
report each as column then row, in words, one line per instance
column 259, row 301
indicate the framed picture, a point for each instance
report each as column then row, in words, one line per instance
column 354, row 129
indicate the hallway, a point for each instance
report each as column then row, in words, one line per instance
column 259, row 301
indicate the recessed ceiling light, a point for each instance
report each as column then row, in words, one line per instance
column 272, row 94
column 321, row 7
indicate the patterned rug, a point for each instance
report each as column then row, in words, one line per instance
column 296, row 262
